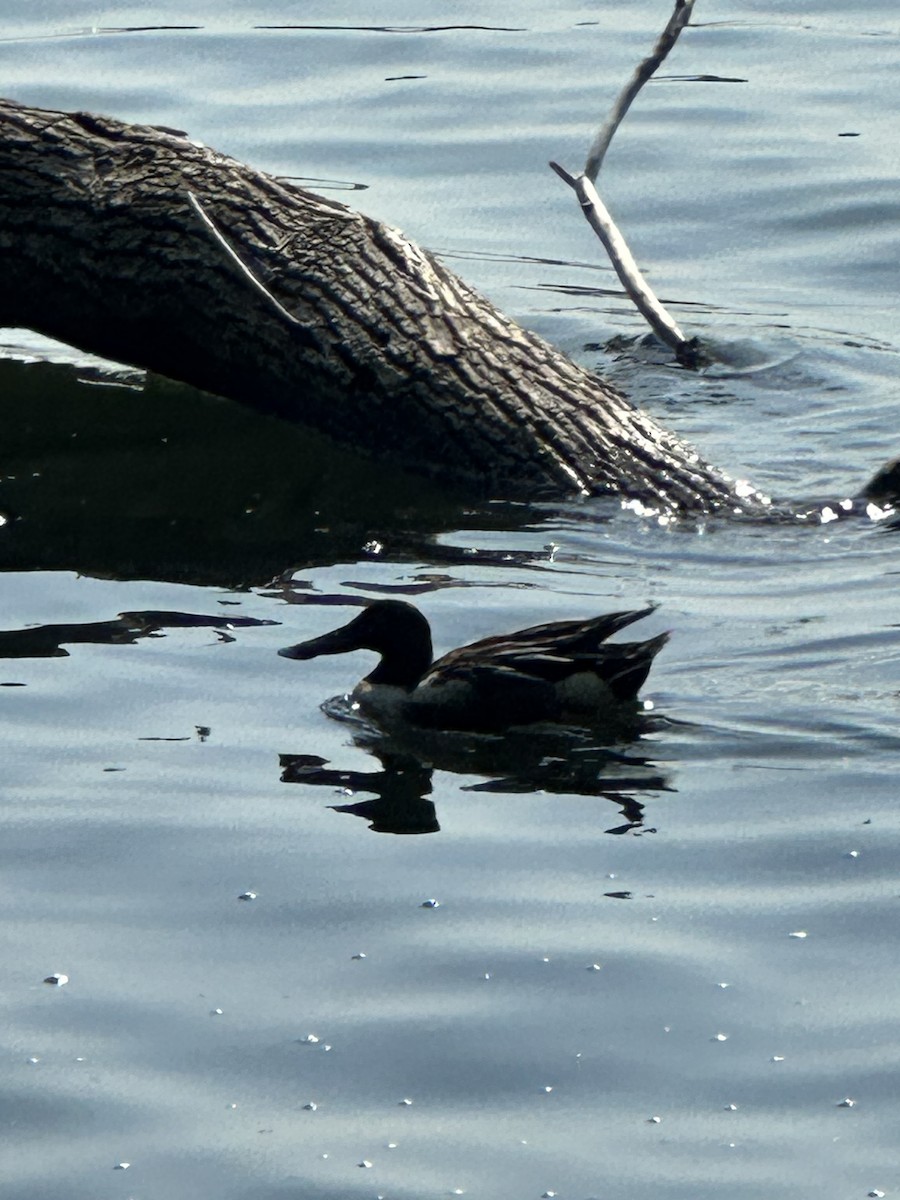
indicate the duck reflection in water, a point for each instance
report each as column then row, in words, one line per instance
column 539, row 710
column 400, row 791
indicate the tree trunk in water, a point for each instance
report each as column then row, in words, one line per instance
column 392, row 353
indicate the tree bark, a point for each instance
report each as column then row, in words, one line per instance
column 102, row 249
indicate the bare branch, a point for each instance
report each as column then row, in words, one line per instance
column 667, row 39
column 639, row 291
column 626, row 268
column 597, row 214
column 564, row 175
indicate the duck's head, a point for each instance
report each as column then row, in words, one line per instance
column 392, row 628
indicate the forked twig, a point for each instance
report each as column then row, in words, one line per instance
column 596, row 212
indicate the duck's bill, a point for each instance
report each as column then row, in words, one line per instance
column 336, row 642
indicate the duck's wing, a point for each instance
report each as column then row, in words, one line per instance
column 622, row 666
column 561, row 636
column 547, row 648
column 523, row 687
column 561, row 664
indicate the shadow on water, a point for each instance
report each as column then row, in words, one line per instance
column 48, row 641
column 127, row 478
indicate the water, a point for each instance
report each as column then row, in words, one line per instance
column 143, row 784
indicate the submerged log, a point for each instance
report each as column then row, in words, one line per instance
column 385, row 348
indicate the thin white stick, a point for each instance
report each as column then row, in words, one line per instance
column 238, row 261
column 639, row 291
column 598, row 215
column 667, row 39
column 650, row 308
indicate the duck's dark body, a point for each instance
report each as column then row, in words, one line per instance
column 564, row 670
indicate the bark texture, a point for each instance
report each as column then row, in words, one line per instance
column 101, row 248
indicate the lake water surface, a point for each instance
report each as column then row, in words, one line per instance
column 612, row 998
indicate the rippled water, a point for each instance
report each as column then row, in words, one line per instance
column 569, row 988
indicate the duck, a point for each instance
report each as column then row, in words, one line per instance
column 561, row 672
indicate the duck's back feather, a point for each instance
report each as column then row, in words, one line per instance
column 564, row 669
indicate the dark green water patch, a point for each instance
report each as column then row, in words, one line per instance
column 155, row 480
